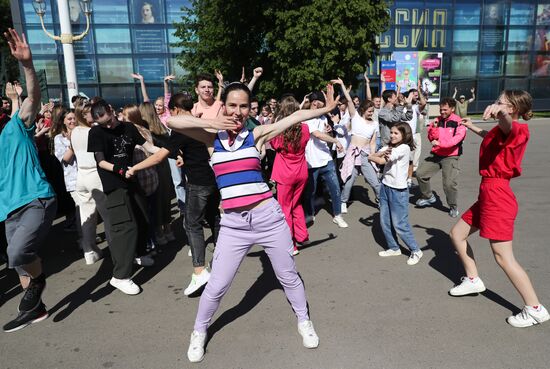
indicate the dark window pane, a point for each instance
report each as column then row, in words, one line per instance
column 516, row 84
column 490, row 65
column 488, row 89
column 464, row 65
column 465, row 39
column 517, row 64
column 119, row 95
column 51, row 67
column 86, row 45
column 152, row 69
column 540, row 88
column 149, row 39
column 86, row 70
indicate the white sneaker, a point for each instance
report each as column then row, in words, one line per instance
column 344, row 208
column 528, row 317
column 195, row 353
column 426, row 202
column 309, row 337
column 145, row 261
column 415, row 257
column 389, row 252
column 467, row 286
column 125, row 285
column 340, row 221
column 197, row 281
column 92, row 256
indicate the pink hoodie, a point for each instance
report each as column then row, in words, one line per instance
column 450, row 133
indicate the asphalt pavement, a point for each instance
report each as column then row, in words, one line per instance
column 369, row 312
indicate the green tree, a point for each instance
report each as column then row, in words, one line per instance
column 301, row 44
column 8, row 64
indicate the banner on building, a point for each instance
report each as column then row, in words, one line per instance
column 387, row 71
column 429, row 74
column 406, row 70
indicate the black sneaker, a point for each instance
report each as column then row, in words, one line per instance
column 33, row 294
column 26, row 318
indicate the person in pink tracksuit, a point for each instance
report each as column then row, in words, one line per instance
column 290, row 171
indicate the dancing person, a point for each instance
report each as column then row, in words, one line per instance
column 201, row 190
column 251, row 215
column 462, row 103
column 89, row 190
column 396, row 109
column 446, row 134
column 363, row 143
column 207, row 106
column 290, row 171
column 394, row 193
column 418, row 105
column 113, row 143
column 27, row 201
column 495, row 211
column 320, row 163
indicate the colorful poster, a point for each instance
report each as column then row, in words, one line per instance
column 387, row 74
column 429, row 74
column 406, row 70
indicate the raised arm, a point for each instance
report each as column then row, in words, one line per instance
column 421, row 101
column 473, row 91
column 498, row 111
column 454, row 95
column 351, row 105
column 257, row 74
column 142, row 85
column 21, row 51
column 267, row 132
column 203, row 130
column 368, row 92
column 467, row 122
column 219, row 76
column 11, row 94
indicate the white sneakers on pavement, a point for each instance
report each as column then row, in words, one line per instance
column 309, row 337
column 92, row 256
column 467, row 286
column 125, row 285
column 529, row 316
column 415, row 257
column 197, row 281
column 340, row 221
column 389, row 252
column 195, row 353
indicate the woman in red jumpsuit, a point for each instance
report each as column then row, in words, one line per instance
column 495, row 211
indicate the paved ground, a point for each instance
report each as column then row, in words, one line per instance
column 369, row 312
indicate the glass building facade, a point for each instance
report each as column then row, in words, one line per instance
column 486, row 44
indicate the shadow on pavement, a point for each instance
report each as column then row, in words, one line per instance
column 373, row 222
column 447, row 263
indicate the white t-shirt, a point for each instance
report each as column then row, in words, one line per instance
column 414, row 121
column 397, row 168
column 317, row 151
column 342, row 134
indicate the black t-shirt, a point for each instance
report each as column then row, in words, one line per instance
column 196, row 157
column 117, row 145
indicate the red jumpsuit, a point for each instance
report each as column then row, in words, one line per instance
column 500, row 159
column 290, row 173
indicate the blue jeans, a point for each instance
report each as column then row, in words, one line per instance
column 178, row 178
column 394, row 210
column 328, row 173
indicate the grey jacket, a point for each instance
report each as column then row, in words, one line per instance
column 389, row 117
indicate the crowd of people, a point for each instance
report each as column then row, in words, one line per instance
column 224, row 157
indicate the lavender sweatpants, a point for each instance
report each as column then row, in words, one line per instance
column 265, row 226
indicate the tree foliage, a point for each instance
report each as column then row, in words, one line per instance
column 9, row 66
column 300, row 44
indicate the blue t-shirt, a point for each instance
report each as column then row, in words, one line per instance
column 22, row 179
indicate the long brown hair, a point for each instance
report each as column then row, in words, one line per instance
column 149, row 114
column 292, row 135
column 133, row 115
column 406, row 133
column 58, row 120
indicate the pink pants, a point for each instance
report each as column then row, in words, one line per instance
column 265, row 226
column 290, row 198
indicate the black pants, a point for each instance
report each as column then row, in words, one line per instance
column 129, row 229
column 201, row 203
